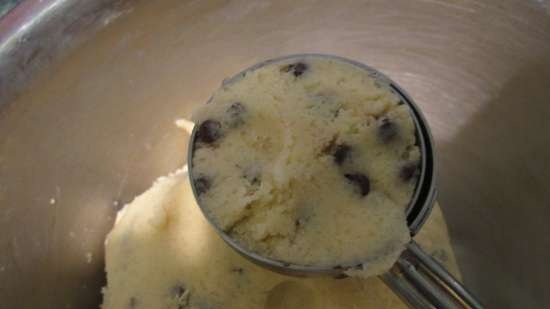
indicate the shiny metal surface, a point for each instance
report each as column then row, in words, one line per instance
column 36, row 32
column 87, row 132
column 423, row 282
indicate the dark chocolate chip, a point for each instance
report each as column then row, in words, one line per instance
column 235, row 115
column 209, row 131
column 387, row 130
column 408, row 171
column 297, row 68
column 361, row 181
column 341, row 153
column 202, row 185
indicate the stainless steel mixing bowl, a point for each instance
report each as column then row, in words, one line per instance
column 89, row 91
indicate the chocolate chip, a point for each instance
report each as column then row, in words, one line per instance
column 297, row 68
column 202, row 185
column 387, row 130
column 235, row 115
column 209, row 131
column 361, row 181
column 341, row 153
column 408, row 171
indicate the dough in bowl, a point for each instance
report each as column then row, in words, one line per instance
column 163, row 254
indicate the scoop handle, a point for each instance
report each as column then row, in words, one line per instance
column 423, row 283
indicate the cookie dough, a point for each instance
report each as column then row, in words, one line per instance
column 309, row 161
column 162, row 254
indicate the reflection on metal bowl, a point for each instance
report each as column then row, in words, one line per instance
column 89, row 91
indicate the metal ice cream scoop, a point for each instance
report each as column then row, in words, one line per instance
column 416, row 277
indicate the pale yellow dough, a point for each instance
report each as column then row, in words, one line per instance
column 162, row 254
column 271, row 176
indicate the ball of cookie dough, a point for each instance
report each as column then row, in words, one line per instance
column 309, row 161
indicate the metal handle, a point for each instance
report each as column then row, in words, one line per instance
column 423, row 283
